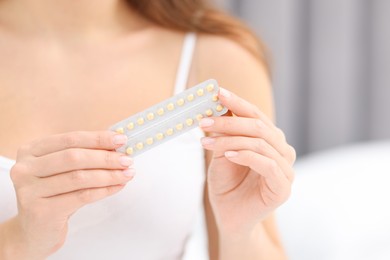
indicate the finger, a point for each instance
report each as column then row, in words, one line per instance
column 71, row 202
column 274, row 178
column 78, row 159
column 81, row 179
column 241, row 107
column 235, row 126
column 241, row 126
column 286, row 150
column 257, row 145
column 105, row 140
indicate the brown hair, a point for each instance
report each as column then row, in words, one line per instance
column 200, row 16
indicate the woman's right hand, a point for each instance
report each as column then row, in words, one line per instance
column 56, row 176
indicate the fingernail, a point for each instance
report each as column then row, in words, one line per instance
column 231, row 154
column 125, row 161
column 130, row 172
column 207, row 140
column 205, row 122
column 120, row 139
column 225, row 93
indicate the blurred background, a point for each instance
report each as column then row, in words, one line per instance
column 331, row 67
column 331, row 78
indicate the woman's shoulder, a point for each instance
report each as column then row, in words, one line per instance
column 219, row 44
column 235, row 68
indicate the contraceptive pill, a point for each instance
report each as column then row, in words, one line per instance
column 170, row 118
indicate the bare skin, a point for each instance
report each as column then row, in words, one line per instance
column 45, row 77
column 102, row 63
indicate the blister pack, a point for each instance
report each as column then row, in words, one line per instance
column 169, row 118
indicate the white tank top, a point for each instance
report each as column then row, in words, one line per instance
column 154, row 216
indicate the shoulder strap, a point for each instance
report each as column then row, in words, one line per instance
column 183, row 70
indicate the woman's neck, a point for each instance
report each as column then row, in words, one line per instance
column 81, row 19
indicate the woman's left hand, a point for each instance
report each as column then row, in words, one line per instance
column 251, row 172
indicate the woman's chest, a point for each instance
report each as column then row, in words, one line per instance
column 48, row 96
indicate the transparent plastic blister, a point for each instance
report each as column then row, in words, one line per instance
column 169, row 118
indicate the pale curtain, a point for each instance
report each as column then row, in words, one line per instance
column 331, row 67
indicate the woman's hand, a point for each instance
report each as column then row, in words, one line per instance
column 56, row 176
column 250, row 173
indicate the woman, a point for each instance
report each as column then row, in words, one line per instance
column 68, row 66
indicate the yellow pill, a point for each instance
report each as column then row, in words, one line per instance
column 139, row 146
column 170, row 106
column 179, row 126
column 199, row 117
column 140, row 121
column 149, row 141
column 170, row 131
column 160, row 111
column 180, row 102
column 150, row 116
column 189, row 121
column 190, row 97
column 200, row 92
column 210, row 87
column 120, row 130
column 129, row 151
column 159, row 136
column 130, row 126
column 215, row 98
column 219, row 108
column 209, row 112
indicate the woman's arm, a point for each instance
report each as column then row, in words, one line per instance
column 3, row 236
column 267, row 243
column 241, row 73
column 54, row 177
column 11, row 245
